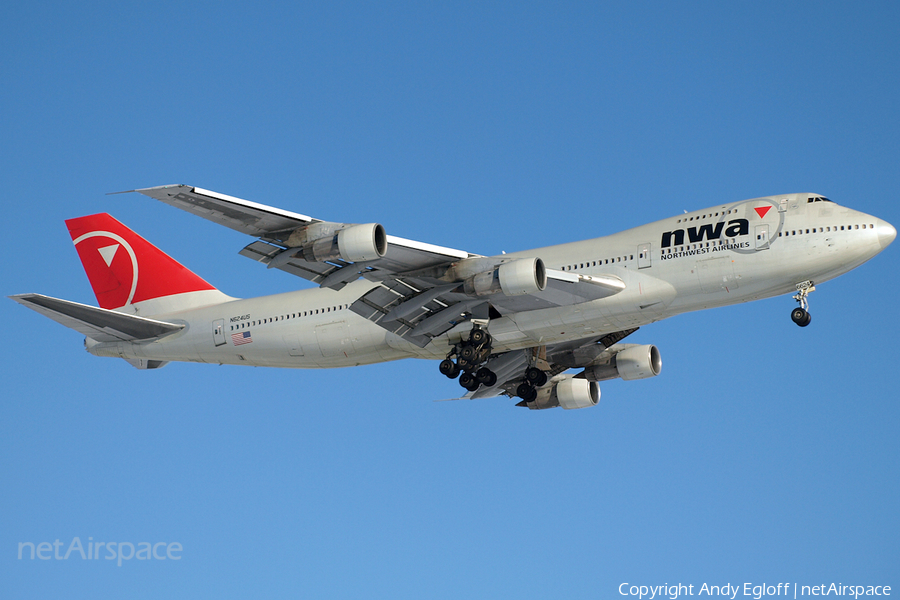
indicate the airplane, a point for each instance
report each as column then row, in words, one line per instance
column 516, row 324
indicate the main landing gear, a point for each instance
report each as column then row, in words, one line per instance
column 470, row 358
column 534, row 378
column 800, row 315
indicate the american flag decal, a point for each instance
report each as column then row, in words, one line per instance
column 241, row 338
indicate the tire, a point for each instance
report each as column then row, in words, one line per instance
column 486, row 377
column 468, row 353
column 526, row 392
column 479, row 337
column 801, row 317
column 535, row 376
column 468, row 381
column 449, row 368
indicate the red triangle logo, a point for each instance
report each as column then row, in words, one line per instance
column 762, row 210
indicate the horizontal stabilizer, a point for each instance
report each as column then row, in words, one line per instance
column 97, row 323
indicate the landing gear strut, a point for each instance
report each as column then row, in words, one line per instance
column 800, row 315
column 470, row 356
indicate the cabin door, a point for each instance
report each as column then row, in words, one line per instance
column 219, row 332
column 762, row 237
column 644, row 255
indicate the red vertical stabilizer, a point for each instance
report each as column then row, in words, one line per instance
column 123, row 267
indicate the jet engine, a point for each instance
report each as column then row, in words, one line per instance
column 576, row 393
column 355, row 243
column 630, row 363
column 513, row 278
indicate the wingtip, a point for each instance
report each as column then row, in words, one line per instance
column 148, row 189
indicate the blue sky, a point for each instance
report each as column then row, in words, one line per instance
column 763, row 453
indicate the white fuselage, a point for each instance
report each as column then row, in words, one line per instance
column 714, row 257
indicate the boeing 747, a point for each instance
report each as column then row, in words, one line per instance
column 542, row 325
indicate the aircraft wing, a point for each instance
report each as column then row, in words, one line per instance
column 274, row 226
column 415, row 299
column 97, row 323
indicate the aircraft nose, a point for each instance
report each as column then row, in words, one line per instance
column 886, row 233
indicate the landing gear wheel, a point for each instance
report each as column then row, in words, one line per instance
column 526, row 392
column 468, row 353
column 468, row 381
column 485, row 376
column 535, row 376
column 449, row 368
column 801, row 317
column 479, row 337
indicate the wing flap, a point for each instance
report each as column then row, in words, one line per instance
column 97, row 323
column 414, row 310
column 276, row 256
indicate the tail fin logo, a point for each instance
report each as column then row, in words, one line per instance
column 109, row 253
column 117, row 276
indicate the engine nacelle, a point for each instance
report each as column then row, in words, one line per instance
column 356, row 243
column 513, row 278
column 522, row 276
column 639, row 362
column 576, row 393
column 633, row 362
column 362, row 242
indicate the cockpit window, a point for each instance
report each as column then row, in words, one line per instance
column 818, row 199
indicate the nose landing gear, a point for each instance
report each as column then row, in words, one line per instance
column 800, row 315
